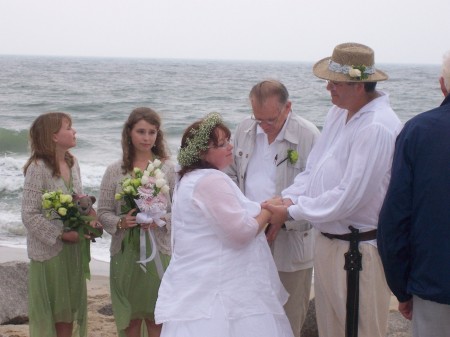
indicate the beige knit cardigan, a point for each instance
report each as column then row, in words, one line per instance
column 42, row 234
column 109, row 209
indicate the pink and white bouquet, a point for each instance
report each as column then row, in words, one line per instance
column 152, row 195
column 148, row 191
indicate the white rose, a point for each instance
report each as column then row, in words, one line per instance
column 150, row 167
column 165, row 189
column 144, row 180
column 160, row 182
column 159, row 175
column 157, row 162
column 354, row 72
column 156, row 172
column 146, row 173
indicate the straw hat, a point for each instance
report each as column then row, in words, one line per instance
column 350, row 62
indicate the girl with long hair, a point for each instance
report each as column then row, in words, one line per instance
column 134, row 289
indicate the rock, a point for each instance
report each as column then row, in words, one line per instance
column 398, row 326
column 106, row 310
column 14, row 292
column 309, row 328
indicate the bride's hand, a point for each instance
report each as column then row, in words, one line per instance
column 277, row 200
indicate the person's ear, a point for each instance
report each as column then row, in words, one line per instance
column 443, row 88
column 288, row 106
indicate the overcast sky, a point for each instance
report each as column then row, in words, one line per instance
column 399, row 31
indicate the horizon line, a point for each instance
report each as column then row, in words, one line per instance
column 193, row 59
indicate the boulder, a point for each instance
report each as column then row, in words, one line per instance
column 14, row 292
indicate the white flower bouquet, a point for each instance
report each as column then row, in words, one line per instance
column 148, row 192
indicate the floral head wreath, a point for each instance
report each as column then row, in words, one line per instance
column 198, row 140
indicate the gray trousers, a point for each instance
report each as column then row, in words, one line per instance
column 430, row 319
column 298, row 285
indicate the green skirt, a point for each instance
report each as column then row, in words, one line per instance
column 133, row 291
column 57, row 293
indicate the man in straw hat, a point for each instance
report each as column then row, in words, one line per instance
column 341, row 192
column 414, row 226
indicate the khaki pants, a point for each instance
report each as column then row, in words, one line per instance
column 430, row 319
column 330, row 285
column 298, row 285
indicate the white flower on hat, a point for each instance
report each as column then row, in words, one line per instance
column 354, row 72
column 358, row 72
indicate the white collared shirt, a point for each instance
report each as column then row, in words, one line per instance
column 262, row 166
column 348, row 170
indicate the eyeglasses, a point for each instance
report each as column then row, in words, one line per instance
column 334, row 83
column 338, row 84
column 270, row 121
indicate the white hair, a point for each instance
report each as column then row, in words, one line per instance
column 446, row 70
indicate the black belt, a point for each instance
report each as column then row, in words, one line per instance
column 353, row 265
column 364, row 236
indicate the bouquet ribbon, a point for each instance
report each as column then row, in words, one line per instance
column 145, row 217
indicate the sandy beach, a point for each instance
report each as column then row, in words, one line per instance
column 100, row 322
column 99, row 325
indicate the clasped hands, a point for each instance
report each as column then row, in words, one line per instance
column 278, row 209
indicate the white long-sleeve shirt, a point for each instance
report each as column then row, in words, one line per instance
column 216, row 252
column 348, row 170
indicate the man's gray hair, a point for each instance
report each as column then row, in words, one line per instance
column 446, row 70
column 268, row 88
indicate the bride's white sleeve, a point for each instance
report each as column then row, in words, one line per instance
column 231, row 217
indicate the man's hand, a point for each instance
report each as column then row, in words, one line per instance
column 277, row 200
column 277, row 219
column 271, row 233
column 279, row 213
column 278, row 207
column 406, row 309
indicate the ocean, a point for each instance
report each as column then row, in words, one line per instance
column 99, row 93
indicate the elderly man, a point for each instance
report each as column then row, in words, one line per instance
column 414, row 225
column 341, row 192
column 270, row 149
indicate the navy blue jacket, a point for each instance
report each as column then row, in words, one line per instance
column 414, row 224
